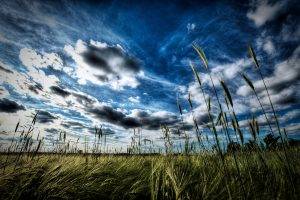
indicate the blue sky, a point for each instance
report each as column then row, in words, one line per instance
column 122, row 64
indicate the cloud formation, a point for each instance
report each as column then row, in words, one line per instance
column 10, row 106
column 102, row 64
column 45, row 117
column 137, row 118
column 59, row 91
column 264, row 11
column 30, row 58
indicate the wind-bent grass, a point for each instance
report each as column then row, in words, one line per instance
column 146, row 177
column 213, row 126
column 253, row 56
column 249, row 82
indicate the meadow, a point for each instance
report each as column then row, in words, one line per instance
column 264, row 167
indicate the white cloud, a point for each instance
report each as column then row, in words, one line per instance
column 134, row 99
column 102, row 64
column 22, row 83
column 266, row 44
column 227, row 71
column 264, row 12
column 30, row 58
column 33, row 83
column 8, row 121
column 269, row 47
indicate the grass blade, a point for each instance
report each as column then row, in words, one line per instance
column 253, row 56
column 201, row 55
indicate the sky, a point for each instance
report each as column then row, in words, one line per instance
column 124, row 65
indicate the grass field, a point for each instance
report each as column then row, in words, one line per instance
column 265, row 167
column 150, row 177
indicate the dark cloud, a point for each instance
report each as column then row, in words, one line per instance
column 289, row 99
column 108, row 131
column 5, row 70
column 35, row 88
column 202, row 119
column 75, row 126
column 52, row 130
column 130, row 122
column 83, row 99
column 59, row 91
column 179, row 129
column 102, row 78
column 70, row 124
column 104, row 64
column 45, row 117
column 153, row 122
column 113, row 116
column 100, row 58
column 9, row 106
column 141, row 119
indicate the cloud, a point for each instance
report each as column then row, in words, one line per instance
column 35, row 62
column 45, row 117
column 3, row 39
column 102, row 64
column 52, row 130
column 3, row 92
column 8, row 120
column 282, row 83
column 111, row 115
column 84, row 99
column 202, row 118
column 263, row 11
column 293, row 130
column 10, row 106
column 269, row 47
column 72, row 124
column 2, row 68
column 291, row 115
column 153, row 120
column 134, row 99
column 266, row 44
column 229, row 73
column 36, row 88
column 30, row 58
column 137, row 118
column 59, row 91
column 224, row 71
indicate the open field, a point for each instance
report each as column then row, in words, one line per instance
column 151, row 177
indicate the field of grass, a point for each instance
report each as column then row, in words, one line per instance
column 264, row 167
column 151, row 177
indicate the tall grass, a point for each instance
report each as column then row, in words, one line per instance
column 145, row 177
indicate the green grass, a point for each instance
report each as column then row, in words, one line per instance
column 149, row 177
